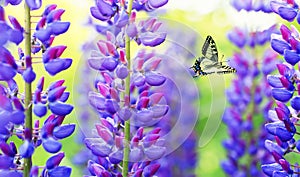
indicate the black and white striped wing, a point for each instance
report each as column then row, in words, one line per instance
column 209, row 49
column 208, row 63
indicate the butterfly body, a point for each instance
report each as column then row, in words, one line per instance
column 208, row 63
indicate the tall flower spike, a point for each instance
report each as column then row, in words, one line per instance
column 115, row 99
column 283, row 119
column 248, row 100
column 16, row 108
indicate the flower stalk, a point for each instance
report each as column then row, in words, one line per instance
column 127, row 93
column 28, row 89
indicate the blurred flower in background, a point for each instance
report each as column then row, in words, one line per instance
column 250, row 98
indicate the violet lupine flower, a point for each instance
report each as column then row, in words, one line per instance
column 8, row 66
column 252, row 5
column 146, row 32
column 108, row 147
column 13, row 34
column 9, row 160
column 144, row 110
column 48, row 27
column 12, row 104
column 114, row 18
column 249, row 91
column 182, row 155
column 11, row 109
column 242, row 37
column 12, row 114
column 148, row 5
column 112, row 15
column 32, row 4
column 86, row 114
column 287, row 9
column 284, row 118
column 144, row 107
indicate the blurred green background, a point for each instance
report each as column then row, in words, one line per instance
column 214, row 17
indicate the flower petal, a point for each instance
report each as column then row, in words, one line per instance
column 157, row 3
column 60, row 108
column 63, row 131
column 55, row 160
column 58, row 27
column 279, row 46
column 40, row 109
column 43, row 34
column 150, row 170
column 29, row 75
column 154, row 152
column 268, row 169
column 18, row 117
column 155, row 79
column 60, row 171
column 291, row 57
column 26, row 149
column 51, row 145
column 34, row 4
column 152, row 39
column 287, row 13
column 282, row 95
column 5, row 162
column 6, row 72
column 57, row 65
column 295, row 103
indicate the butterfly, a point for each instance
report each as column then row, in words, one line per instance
column 208, row 63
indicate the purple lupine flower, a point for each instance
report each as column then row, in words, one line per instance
column 181, row 155
column 287, row 9
column 8, row 65
column 148, row 5
column 55, row 97
column 15, row 107
column 34, row 4
column 241, row 37
column 52, row 63
column 28, row 74
column 252, row 5
column 48, row 27
column 50, row 24
column 13, row 34
column 287, row 44
column 248, row 92
column 143, row 107
column 283, row 118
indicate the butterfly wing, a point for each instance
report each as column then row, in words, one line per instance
column 209, row 49
column 208, row 63
column 210, row 67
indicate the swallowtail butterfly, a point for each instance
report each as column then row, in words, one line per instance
column 208, row 63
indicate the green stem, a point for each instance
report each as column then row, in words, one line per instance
column 28, row 89
column 127, row 93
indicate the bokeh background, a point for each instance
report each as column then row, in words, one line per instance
column 213, row 17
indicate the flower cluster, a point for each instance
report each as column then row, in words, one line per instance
column 241, row 37
column 16, row 108
column 283, row 119
column 287, row 9
column 113, row 17
column 122, row 96
column 144, row 110
column 252, row 5
column 32, row 4
column 249, row 96
column 180, row 91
